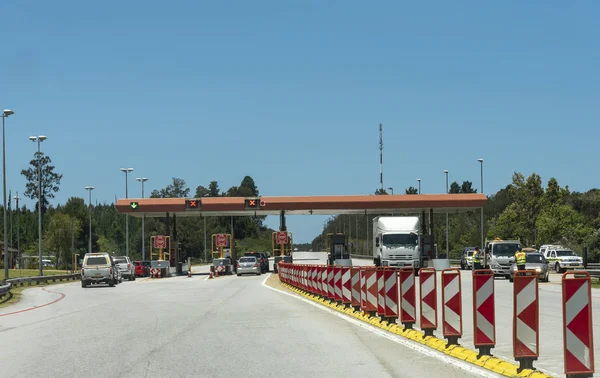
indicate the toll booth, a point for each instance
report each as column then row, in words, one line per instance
column 282, row 242
column 338, row 250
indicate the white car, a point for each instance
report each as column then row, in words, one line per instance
column 560, row 258
column 125, row 267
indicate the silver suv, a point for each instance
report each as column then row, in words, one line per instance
column 125, row 267
column 98, row 268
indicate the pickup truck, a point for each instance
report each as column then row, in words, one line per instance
column 125, row 267
column 98, row 268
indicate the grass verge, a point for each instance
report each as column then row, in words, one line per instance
column 18, row 273
column 17, row 293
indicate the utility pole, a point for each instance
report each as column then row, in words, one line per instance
column 17, row 198
column 381, row 157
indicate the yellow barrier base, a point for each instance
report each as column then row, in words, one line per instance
column 494, row 364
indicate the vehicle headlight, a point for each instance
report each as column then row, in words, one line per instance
column 538, row 269
column 514, row 268
column 495, row 266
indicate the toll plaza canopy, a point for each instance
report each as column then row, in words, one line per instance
column 318, row 205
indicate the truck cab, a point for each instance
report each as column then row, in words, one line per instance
column 501, row 255
column 396, row 242
column 560, row 258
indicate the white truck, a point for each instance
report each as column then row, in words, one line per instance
column 560, row 258
column 396, row 242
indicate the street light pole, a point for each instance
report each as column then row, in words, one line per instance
column 392, row 190
column 89, row 189
column 5, row 113
column 39, row 139
column 126, row 171
column 482, row 231
column 143, row 180
column 419, row 180
column 447, row 245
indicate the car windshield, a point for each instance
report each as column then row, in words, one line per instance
column 248, row 259
column 534, row 258
column 470, row 253
column 506, row 250
column 565, row 253
column 120, row 261
column 136, row 263
column 96, row 260
column 400, row 239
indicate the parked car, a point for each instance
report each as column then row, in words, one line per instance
column 98, row 268
column 248, row 265
column 466, row 258
column 125, row 267
column 262, row 258
column 141, row 270
column 534, row 261
column 118, row 275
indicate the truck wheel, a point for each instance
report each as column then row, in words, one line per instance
column 377, row 261
column 111, row 283
column 133, row 277
column 557, row 268
column 83, row 284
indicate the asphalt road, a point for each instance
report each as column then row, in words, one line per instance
column 550, row 297
column 189, row 327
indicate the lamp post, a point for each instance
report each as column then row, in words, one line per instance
column 482, row 232
column 5, row 113
column 89, row 189
column 391, row 189
column 447, row 246
column 39, row 139
column 143, row 180
column 419, row 181
column 126, row 171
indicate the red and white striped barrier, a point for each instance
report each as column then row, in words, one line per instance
column 577, row 324
column 451, row 305
column 380, row 291
column 484, row 318
column 370, row 304
column 356, row 287
column 408, row 297
column 525, row 318
column 320, row 280
column 428, row 300
column 330, row 291
column 337, row 283
column 346, row 286
column 390, row 277
column 313, row 279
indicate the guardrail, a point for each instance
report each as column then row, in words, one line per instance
column 5, row 289
column 21, row 281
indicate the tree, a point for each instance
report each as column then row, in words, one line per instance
column 467, row 187
column 380, row 192
column 213, row 189
column 50, row 179
column 454, row 188
column 411, row 190
column 61, row 229
column 201, row 191
column 177, row 189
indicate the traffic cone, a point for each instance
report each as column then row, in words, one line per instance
column 189, row 273
column 159, row 273
column 210, row 275
column 216, row 273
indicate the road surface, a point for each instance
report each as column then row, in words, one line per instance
column 550, row 297
column 188, row 327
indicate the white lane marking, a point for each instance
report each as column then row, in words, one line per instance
column 207, row 277
column 397, row 339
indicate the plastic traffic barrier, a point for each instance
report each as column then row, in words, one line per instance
column 346, row 286
column 390, row 278
column 408, row 297
column 320, row 280
column 371, row 292
column 484, row 318
column 330, row 293
column 526, row 318
column 355, row 287
column 363, row 288
column 578, row 337
column 380, row 291
column 428, row 300
column 451, row 305
column 337, row 283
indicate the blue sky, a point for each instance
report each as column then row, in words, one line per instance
column 292, row 92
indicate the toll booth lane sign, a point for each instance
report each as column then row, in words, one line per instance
column 193, row 204
column 160, row 241
column 282, row 237
column 221, row 240
column 134, row 205
column 253, row 203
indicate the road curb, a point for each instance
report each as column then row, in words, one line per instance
column 492, row 364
